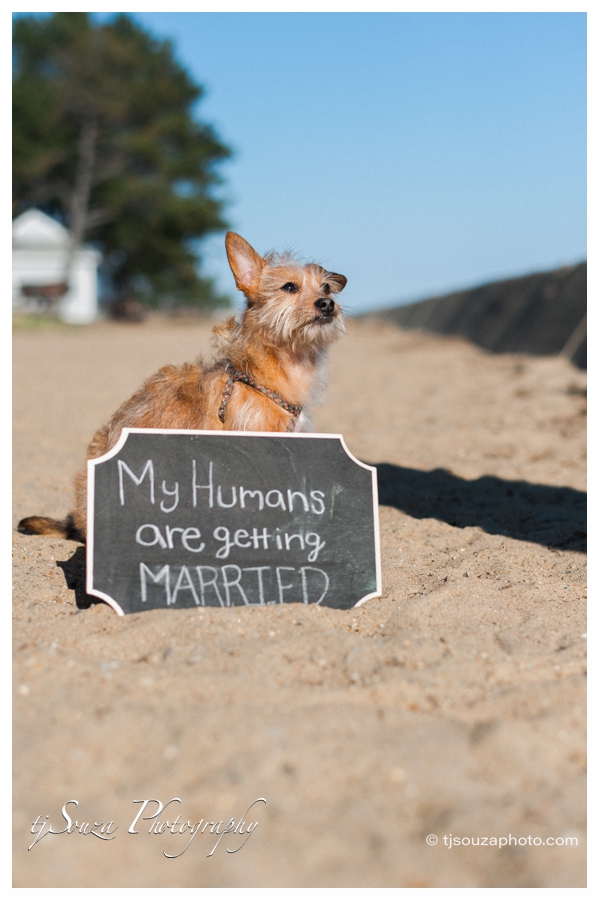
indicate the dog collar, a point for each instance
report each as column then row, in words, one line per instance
column 235, row 375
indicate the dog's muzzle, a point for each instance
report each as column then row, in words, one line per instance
column 326, row 309
column 325, row 305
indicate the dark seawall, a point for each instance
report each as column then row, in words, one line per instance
column 540, row 314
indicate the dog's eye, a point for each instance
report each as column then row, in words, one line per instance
column 326, row 289
column 290, row 287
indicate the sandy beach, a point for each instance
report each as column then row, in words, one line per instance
column 453, row 706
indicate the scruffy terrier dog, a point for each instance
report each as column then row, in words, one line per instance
column 268, row 367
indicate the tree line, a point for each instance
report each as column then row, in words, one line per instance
column 105, row 140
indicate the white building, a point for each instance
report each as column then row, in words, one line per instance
column 39, row 253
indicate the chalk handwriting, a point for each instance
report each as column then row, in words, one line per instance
column 149, row 535
column 232, row 585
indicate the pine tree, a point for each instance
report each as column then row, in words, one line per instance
column 106, row 141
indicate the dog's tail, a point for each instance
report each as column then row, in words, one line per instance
column 44, row 525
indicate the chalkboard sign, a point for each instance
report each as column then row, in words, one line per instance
column 204, row 518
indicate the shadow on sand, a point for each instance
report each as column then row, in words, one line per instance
column 552, row 516
column 74, row 575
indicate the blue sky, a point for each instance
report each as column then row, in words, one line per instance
column 416, row 153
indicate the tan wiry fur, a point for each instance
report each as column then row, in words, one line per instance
column 281, row 342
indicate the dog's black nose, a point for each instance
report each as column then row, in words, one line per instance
column 325, row 305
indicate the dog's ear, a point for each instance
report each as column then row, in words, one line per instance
column 339, row 280
column 245, row 263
